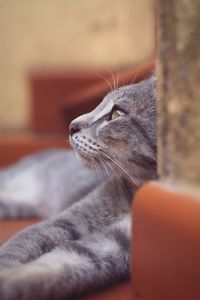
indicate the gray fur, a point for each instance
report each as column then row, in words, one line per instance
column 85, row 242
column 50, row 177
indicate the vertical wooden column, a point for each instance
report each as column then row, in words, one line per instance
column 178, row 91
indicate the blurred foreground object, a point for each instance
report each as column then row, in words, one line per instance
column 178, row 91
column 166, row 244
column 166, row 223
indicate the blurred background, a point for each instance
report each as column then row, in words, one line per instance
column 56, row 58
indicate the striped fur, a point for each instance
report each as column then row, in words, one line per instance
column 84, row 244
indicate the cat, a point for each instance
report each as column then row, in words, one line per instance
column 84, row 244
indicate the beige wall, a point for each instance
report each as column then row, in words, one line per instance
column 66, row 33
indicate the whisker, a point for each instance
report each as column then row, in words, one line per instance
column 134, row 78
column 120, row 166
column 119, row 179
column 111, row 168
column 106, row 80
column 113, row 79
column 104, row 164
column 116, row 160
column 99, row 171
column 101, row 161
column 118, row 72
column 94, row 164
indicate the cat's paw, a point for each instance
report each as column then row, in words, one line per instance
column 5, row 289
column 14, row 285
column 26, row 282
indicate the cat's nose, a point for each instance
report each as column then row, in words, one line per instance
column 74, row 127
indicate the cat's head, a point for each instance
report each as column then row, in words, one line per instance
column 120, row 133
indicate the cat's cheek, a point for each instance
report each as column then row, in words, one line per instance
column 105, row 132
column 113, row 137
column 106, row 136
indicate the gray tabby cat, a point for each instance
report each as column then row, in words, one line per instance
column 86, row 244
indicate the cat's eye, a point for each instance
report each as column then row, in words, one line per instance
column 116, row 113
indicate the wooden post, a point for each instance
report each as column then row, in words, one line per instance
column 179, row 91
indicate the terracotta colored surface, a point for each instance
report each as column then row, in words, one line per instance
column 9, row 228
column 166, row 245
column 15, row 146
column 122, row 291
column 59, row 97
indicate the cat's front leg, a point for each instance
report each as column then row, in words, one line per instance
column 96, row 211
column 37, row 240
column 78, row 267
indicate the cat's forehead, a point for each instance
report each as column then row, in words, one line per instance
column 132, row 98
column 138, row 93
column 125, row 96
column 117, row 97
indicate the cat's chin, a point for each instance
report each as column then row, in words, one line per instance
column 84, row 161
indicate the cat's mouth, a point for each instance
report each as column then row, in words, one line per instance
column 87, row 151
